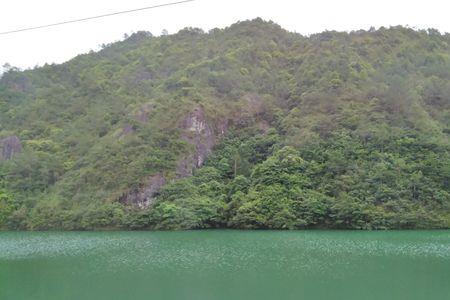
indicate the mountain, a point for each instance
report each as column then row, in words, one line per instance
column 250, row 127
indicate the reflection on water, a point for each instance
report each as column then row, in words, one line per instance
column 225, row 265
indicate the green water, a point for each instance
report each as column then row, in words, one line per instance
column 225, row 265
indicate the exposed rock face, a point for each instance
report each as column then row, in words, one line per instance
column 199, row 134
column 126, row 130
column 10, row 146
column 143, row 198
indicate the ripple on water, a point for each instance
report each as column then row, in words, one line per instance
column 227, row 250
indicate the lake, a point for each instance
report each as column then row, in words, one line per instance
column 225, row 265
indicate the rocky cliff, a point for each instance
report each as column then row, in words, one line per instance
column 10, row 146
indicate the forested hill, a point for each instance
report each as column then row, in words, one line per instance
column 249, row 126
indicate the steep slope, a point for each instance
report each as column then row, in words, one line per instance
column 335, row 130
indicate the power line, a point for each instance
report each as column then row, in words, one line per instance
column 95, row 17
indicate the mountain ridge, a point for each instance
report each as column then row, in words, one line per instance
column 246, row 127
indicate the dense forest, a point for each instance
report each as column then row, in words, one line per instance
column 249, row 127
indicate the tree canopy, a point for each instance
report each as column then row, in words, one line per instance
column 250, row 127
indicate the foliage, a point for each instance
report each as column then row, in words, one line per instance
column 335, row 130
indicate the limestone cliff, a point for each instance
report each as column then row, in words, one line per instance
column 200, row 134
column 143, row 198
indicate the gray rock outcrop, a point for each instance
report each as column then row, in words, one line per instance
column 200, row 134
column 10, row 146
column 143, row 198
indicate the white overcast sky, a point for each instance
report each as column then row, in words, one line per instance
column 59, row 44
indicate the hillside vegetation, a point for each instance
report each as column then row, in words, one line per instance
column 249, row 127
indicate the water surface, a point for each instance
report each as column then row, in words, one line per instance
column 230, row 265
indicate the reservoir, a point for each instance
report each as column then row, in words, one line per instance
column 225, row 265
